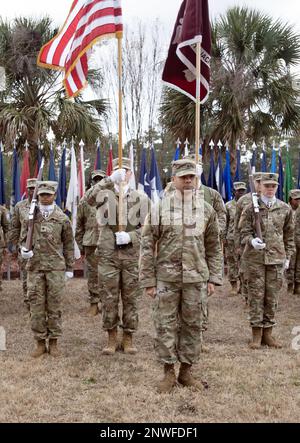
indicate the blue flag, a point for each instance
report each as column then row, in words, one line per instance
column 203, row 181
column 155, row 182
column 219, row 173
column 177, row 152
column 238, row 171
column 227, row 178
column 281, row 178
column 144, row 184
column 254, row 158
column 52, row 173
column 15, row 188
column 2, row 183
column 212, row 172
column 264, row 161
column 61, row 197
column 273, row 162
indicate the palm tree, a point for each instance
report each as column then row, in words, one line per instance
column 253, row 92
column 34, row 99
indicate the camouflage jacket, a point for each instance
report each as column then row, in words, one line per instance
column 230, row 217
column 177, row 250
column 104, row 197
column 244, row 201
column 297, row 228
column 87, row 231
column 20, row 215
column 277, row 232
column 4, row 226
column 53, row 243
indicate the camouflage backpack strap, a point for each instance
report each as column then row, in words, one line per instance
column 207, row 195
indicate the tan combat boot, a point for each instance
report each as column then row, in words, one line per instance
column 166, row 385
column 185, row 377
column 40, row 350
column 127, row 345
column 234, row 290
column 256, row 338
column 112, row 342
column 53, row 350
column 270, row 341
column 93, row 310
column 297, row 289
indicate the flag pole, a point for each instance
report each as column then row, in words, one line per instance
column 120, row 149
column 198, row 100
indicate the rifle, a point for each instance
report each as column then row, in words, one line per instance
column 32, row 211
column 255, row 203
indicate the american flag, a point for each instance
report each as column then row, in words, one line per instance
column 88, row 22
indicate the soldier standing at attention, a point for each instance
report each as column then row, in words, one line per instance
column 231, row 255
column 48, row 265
column 294, row 202
column 241, row 205
column 180, row 262
column 297, row 244
column 118, row 252
column 20, row 215
column 4, row 227
column 266, row 258
column 86, row 236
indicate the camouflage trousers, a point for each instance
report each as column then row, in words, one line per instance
column 243, row 275
column 232, row 262
column 23, row 272
column 1, row 261
column 265, row 283
column 290, row 273
column 92, row 265
column 297, row 266
column 119, row 280
column 177, row 315
column 45, row 292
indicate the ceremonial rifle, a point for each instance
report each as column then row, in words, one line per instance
column 255, row 203
column 32, row 211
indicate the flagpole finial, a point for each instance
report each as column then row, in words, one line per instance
column 220, row 145
column 81, row 143
column 238, row 145
column 178, row 142
column 1, row 146
column 212, row 144
column 227, row 146
column 26, row 145
column 186, row 143
column 64, row 144
column 254, row 146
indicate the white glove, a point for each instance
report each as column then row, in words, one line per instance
column 122, row 238
column 26, row 254
column 286, row 265
column 69, row 275
column 118, row 176
column 258, row 244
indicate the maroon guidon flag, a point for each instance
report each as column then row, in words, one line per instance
column 192, row 27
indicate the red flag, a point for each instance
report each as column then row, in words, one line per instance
column 109, row 168
column 88, row 21
column 192, row 27
column 25, row 175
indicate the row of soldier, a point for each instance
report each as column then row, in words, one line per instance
column 171, row 249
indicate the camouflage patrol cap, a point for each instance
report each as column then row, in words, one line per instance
column 31, row 182
column 98, row 173
column 294, row 194
column 125, row 163
column 239, row 185
column 47, row 187
column 193, row 158
column 269, row 178
column 183, row 167
column 257, row 176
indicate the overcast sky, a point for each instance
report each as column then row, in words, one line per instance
column 166, row 10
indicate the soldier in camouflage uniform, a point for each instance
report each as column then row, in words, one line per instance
column 86, row 236
column 241, row 205
column 266, row 258
column 231, row 256
column 20, row 215
column 48, row 265
column 180, row 261
column 4, row 226
column 297, row 245
column 118, row 252
column 294, row 202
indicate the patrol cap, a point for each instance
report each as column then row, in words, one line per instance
column 269, row 178
column 98, row 173
column 183, row 167
column 193, row 158
column 31, row 182
column 47, row 187
column 257, row 176
column 125, row 163
column 295, row 194
column 239, row 185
